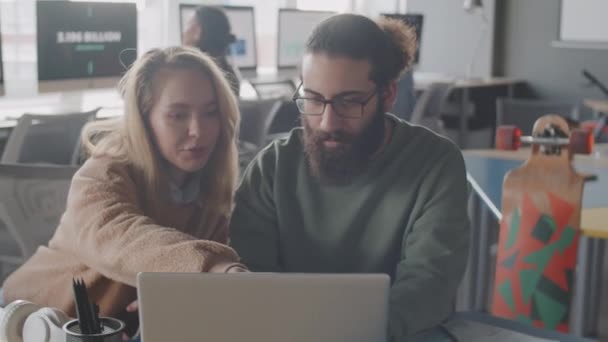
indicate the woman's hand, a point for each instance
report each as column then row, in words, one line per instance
column 237, row 268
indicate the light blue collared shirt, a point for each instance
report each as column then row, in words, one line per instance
column 186, row 194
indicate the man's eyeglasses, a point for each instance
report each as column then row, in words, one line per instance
column 343, row 107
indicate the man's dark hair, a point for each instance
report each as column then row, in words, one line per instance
column 216, row 36
column 388, row 44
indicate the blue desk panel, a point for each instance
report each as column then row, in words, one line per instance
column 489, row 172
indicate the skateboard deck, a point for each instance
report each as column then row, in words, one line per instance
column 539, row 233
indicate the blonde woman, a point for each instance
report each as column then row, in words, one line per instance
column 155, row 195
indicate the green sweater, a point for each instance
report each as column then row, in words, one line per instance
column 405, row 216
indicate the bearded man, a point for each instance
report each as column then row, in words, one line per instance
column 357, row 190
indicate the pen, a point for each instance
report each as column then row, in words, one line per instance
column 88, row 315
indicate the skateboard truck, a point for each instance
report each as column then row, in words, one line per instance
column 551, row 140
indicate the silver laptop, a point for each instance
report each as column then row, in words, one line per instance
column 268, row 307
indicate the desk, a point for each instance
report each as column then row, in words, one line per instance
column 487, row 168
column 10, row 121
column 422, row 80
column 598, row 106
column 11, row 109
column 485, row 172
column 508, row 325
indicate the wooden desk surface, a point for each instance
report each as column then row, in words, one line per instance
column 104, row 113
column 423, row 80
column 487, row 82
column 486, row 170
column 600, row 106
column 12, row 108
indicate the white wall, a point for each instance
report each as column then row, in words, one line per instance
column 373, row 9
column 450, row 34
column 529, row 28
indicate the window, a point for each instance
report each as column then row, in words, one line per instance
column 325, row 5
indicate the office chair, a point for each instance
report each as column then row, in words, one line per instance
column 283, row 117
column 274, row 89
column 53, row 139
column 254, row 114
column 32, row 200
column 427, row 111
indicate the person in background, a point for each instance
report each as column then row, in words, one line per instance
column 155, row 195
column 357, row 190
column 209, row 31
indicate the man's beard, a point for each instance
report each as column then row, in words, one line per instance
column 340, row 165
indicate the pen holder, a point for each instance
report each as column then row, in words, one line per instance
column 112, row 331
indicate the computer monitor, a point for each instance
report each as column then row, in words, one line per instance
column 242, row 23
column 80, row 44
column 414, row 20
column 295, row 26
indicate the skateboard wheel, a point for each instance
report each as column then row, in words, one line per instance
column 508, row 138
column 589, row 125
column 581, row 141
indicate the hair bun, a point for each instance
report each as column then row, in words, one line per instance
column 402, row 38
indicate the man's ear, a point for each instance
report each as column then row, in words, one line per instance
column 389, row 95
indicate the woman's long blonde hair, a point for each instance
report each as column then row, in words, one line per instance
column 129, row 139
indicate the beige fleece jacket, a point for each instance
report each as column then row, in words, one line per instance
column 106, row 237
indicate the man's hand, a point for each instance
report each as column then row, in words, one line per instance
column 133, row 307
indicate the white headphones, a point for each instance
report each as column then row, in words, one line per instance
column 22, row 321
